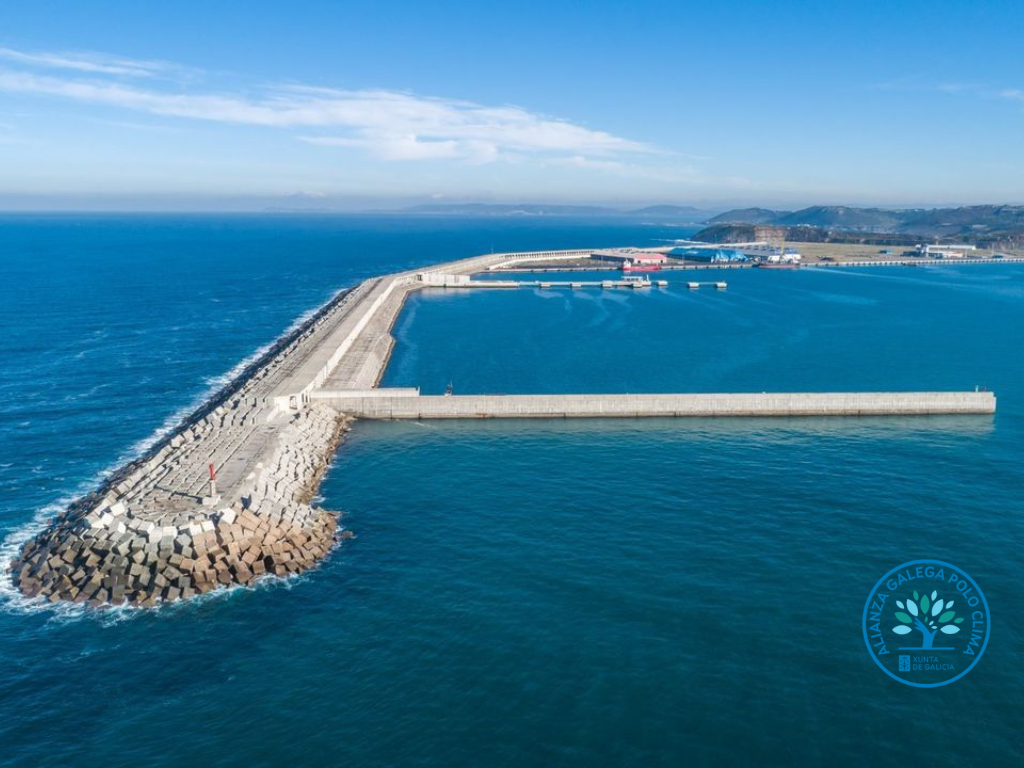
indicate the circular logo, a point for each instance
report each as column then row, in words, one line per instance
column 926, row 623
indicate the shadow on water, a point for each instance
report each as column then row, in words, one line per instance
column 699, row 428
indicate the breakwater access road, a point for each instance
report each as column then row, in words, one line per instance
column 225, row 499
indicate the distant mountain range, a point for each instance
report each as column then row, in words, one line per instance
column 747, row 216
column 685, row 212
column 982, row 223
column 828, row 216
column 675, row 213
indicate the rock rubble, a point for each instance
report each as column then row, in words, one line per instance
column 111, row 548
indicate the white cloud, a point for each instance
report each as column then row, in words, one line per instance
column 389, row 125
column 93, row 63
column 977, row 90
column 387, row 146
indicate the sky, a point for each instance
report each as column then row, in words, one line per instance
column 338, row 105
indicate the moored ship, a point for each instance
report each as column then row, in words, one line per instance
column 770, row 257
column 631, row 266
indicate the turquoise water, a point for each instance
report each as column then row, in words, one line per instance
column 807, row 330
column 520, row 593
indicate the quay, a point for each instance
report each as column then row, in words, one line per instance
column 912, row 262
column 404, row 405
column 225, row 498
column 464, row 281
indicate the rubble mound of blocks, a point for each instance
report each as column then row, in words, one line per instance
column 128, row 544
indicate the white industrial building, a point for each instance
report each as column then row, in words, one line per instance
column 945, row 251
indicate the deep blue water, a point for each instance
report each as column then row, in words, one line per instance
column 520, row 593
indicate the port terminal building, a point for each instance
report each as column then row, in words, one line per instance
column 945, row 251
column 708, row 255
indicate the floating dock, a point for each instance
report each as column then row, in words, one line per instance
column 224, row 499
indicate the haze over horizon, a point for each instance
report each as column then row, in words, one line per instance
column 112, row 106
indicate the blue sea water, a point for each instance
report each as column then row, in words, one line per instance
column 519, row 593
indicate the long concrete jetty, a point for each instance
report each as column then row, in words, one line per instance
column 224, row 499
column 402, row 405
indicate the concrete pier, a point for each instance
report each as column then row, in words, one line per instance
column 154, row 531
column 405, row 406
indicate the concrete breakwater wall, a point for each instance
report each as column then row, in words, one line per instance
column 153, row 531
column 111, row 551
column 317, row 371
column 237, row 393
column 404, row 406
column 157, row 530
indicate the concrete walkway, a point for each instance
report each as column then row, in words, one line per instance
column 405, row 406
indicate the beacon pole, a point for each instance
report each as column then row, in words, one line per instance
column 213, row 481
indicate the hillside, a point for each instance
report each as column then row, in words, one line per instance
column 842, row 217
column 978, row 220
column 744, row 233
column 747, row 216
column 981, row 224
column 726, row 233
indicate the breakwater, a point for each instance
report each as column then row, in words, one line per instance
column 162, row 528
column 224, row 499
column 404, row 406
column 117, row 548
column 154, row 531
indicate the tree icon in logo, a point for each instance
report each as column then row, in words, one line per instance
column 948, row 647
column 929, row 625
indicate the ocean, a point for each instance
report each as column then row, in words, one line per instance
column 558, row 593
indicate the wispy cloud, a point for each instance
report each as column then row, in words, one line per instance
column 912, row 82
column 919, row 82
column 8, row 135
column 411, row 146
column 952, row 88
column 93, row 63
column 390, row 125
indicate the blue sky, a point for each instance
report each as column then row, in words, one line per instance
column 337, row 104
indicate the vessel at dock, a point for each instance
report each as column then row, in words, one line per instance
column 637, row 281
column 766, row 255
column 630, row 266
